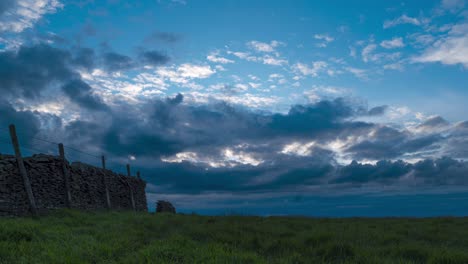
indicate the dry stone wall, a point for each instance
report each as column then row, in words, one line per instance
column 87, row 186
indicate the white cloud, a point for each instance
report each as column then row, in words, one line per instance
column 185, row 72
column 393, row 43
column 26, row 13
column 229, row 157
column 404, row 19
column 304, row 69
column 264, row 47
column 253, row 77
column 360, row 73
column 275, row 76
column 394, row 66
column 266, row 59
column 247, row 99
column 269, row 60
column 366, row 52
column 298, row 149
column 450, row 49
column 324, row 38
column 254, row 85
column 214, row 57
column 319, row 91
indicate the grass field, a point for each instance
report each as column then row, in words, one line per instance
column 125, row 237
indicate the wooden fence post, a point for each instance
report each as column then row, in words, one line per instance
column 108, row 201
column 22, row 170
column 103, row 159
column 138, row 175
column 128, row 171
column 66, row 174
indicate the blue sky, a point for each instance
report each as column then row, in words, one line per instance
column 249, row 101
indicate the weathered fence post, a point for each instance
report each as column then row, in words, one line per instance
column 108, row 201
column 103, row 159
column 22, row 170
column 138, row 175
column 128, row 171
column 66, row 174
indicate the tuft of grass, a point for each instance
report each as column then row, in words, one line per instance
column 69, row 236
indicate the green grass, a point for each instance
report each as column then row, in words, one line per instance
column 125, row 237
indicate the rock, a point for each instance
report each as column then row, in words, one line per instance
column 165, row 207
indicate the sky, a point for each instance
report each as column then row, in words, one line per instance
column 335, row 108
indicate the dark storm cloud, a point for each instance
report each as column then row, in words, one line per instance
column 154, row 58
column 167, row 127
column 363, row 173
column 434, row 122
column 430, row 172
column 378, row 110
column 164, row 127
column 84, row 57
column 187, row 178
column 26, row 122
column 29, row 71
column 387, row 142
column 117, row 62
column 81, row 93
column 308, row 120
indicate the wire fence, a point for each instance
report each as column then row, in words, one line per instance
column 32, row 144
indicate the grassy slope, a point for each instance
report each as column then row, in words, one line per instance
column 112, row 237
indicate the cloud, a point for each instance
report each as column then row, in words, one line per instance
column 325, row 38
column 26, row 121
column 266, row 59
column 264, row 47
column 154, row 58
column 367, row 51
column 216, row 146
column 28, row 71
column 24, row 14
column 85, row 57
column 404, row 19
column 182, row 74
column 393, row 43
column 269, row 60
column 389, row 143
column 39, row 74
column 360, row 73
column 81, row 93
column 304, row 69
column 433, row 122
column 378, row 110
column 214, row 57
column 450, row 49
column 117, row 62
column 166, row 37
